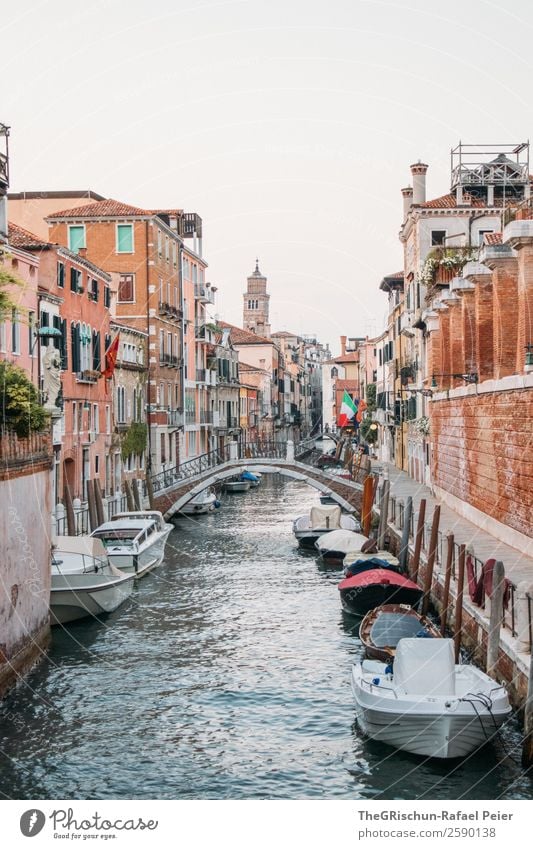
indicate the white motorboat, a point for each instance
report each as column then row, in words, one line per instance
column 84, row 582
column 321, row 520
column 237, row 486
column 205, row 502
column 334, row 545
column 135, row 542
column 428, row 705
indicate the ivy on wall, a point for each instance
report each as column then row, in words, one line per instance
column 134, row 441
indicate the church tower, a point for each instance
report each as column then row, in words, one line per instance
column 255, row 306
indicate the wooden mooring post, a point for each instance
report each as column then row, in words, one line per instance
column 496, row 616
column 136, row 494
column 368, row 500
column 419, row 537
column 428, row 577
column 527, row 749
column 458, row 624
column 69, row 507
column 150, row 491
column 92, row 505
column 404, row 548
column 447, row 579
column 99, row 502
column 383, row 514
column 129, row 496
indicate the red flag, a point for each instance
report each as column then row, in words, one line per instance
column 111, row 358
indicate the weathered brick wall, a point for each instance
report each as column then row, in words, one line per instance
column 482, row 453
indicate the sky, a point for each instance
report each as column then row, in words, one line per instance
column 287, row 125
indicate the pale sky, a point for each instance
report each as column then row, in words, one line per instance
column 288, row 125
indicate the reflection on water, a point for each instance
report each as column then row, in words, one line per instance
column 225, row 676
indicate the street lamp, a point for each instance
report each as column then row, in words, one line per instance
column 468, row 377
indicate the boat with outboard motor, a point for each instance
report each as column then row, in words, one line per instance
column 425, row 703
column 320, row 521
column 83, row 581
column 333, row 546
column 135, row 541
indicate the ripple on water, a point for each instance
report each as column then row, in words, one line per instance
column 225, row 676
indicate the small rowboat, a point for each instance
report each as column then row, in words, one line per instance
column 383, row 628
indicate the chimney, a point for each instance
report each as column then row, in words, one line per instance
column 343, row 345
column 407, row 195
column 418, row 170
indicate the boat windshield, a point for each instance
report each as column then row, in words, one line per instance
column 125, row 537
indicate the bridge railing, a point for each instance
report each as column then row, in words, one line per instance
column 231, row 452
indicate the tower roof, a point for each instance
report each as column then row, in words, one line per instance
column 257, row 273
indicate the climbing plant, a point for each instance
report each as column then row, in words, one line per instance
column 8, row 280
column 371, row 397
column 19, row 401
column 134, row 441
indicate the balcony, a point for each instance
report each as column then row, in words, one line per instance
column 202, row 333
column 204, row 294
column 169, row 360
column 190, row 417
column 206, row 417
column 169, row 311
column 88, row 376
column 175, row 418
column 201, row 375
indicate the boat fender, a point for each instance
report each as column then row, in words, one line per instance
column 216, row 503
column 388, row 669
column 375, row 681
column 423, row 633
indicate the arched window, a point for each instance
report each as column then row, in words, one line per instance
column 334, row 372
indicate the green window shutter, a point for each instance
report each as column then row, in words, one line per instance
column 124, row 238
column 76, row 238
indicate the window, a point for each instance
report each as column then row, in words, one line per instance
column 195, row 274
column 96, row 422
column 174, row 259
column 482, row 234
column 76, row 237
column 167, row 249
column 96, row 464
column 74, row 418
column 438, row 237
column 126, row 288
column 124, row 238
column 107, row 297
column 163, row 452
column 121, row 405
column 61, row 275
column 160, row 290
column 32, row 348
column 2, row 336
column 15, row 332
column 75, row 280
column 107, row 418
column 159, row 243
column 93, row 289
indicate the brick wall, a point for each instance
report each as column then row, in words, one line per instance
column 482, row 454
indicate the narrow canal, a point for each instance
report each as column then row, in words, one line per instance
column 225, row 677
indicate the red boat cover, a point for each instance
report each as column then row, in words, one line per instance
column 378, row 576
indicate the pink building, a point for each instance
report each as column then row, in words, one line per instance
column 17, row 332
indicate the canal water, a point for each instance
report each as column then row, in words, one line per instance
column 226, row 676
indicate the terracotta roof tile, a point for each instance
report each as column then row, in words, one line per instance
column 20, row 238
column 244, row 337
column 101, row 209
column 449, row 201
column 352, row 357
column 492, row 239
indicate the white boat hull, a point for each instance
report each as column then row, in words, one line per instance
column 76, row 596
column 430, row 727
column 237, row 486
column 198, row 505
column 145, row 560
column 307, row 536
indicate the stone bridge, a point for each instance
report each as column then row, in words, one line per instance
column 174, row 488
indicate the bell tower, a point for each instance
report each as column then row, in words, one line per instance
column 256, row 304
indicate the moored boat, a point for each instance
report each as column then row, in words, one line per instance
column 83, row 581
column 428, row 705
column 383, row 627
column 237, row 485
column 205, row 502
column 253, row 477
column 135, row 541
column 334, row 545
column 321, row 520
column 372, row 587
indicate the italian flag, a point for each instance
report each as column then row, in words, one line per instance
column 348, row 410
